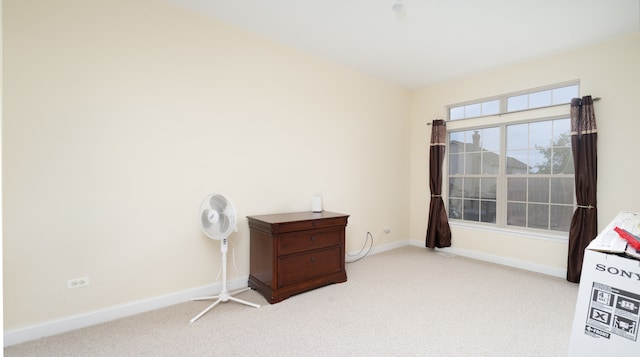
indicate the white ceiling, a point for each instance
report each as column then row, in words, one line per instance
column 430, row 40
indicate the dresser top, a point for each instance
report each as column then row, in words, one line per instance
column 295, row 216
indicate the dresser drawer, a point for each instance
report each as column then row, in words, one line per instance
column 311, row 224
column 308, row 240
column 299, row 267
column 298, row 221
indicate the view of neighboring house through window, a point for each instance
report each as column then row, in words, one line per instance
column 474, row 161
column 514, row 174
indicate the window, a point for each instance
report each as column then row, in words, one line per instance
column 474, row 157
column 514, row 174
column 473, row 110
column 532, row 99
column 545, row 98
column 539, row 175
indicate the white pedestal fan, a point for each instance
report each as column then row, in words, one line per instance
column 218, row 219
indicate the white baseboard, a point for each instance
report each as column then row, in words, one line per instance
column 55, row 327
column 351, row 256
column 50, row 328
column 514, row 263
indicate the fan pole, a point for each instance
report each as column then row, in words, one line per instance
column 224, row 295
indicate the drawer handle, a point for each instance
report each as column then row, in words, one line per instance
column 313, row 260
column 314, row 224
column 313, row 238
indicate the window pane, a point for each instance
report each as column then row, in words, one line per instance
column 538, row 190
column 517, row 162
column 565, row 94
column 490, row 139
column 562, row 190
column 478, row 141
column 471, row 210
column 562, row 161
column 540, row 161
column 472, row 163
column 517, row 136
column 517, row 189
column 561, row 218
column 456, row 164
column 472, row 188
column 562, row 132
column 490, row 108
column 456, row 142
column 455, row 209
column 540, row 99
column 455, row 187
column 488, row 212
column 516, row 214
column 538, row 216
column 456, row 113
column 488, row 188
column 519, row 102
column 472, row 138
column 490, row 163
column 540, row 134
column 472, row 110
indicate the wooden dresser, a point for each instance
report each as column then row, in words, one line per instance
column 296, row 252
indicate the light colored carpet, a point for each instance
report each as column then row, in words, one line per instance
column 406, row 302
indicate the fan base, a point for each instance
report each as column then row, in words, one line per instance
column 223, row 297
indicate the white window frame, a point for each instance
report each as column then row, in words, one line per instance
column 551, row 112
column 504, row 98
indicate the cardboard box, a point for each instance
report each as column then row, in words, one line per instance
column 607, row 316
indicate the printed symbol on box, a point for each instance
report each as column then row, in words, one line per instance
column 600, row 315
column 603, row 297
column 588, row 330
column 628, row 305
column 626, row 325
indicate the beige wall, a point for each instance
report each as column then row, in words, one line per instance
column 609, row 71
column 120, row 116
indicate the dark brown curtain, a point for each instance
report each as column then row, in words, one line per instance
column 438, row 231
column 584, row 224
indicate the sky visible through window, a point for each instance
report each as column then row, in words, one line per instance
column 512, row 103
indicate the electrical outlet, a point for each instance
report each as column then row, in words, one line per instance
column 78, row 283
column 387, row 229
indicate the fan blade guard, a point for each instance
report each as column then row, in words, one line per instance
column 217, row 216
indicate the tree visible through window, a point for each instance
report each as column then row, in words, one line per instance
column 543, row 196
column 513, row 174
column 528, row 175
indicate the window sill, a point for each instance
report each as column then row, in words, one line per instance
column 559, row 237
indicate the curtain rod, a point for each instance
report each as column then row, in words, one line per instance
column 595, row 99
